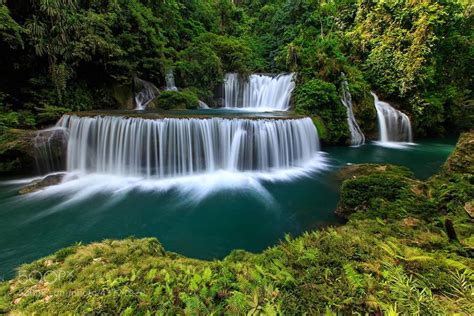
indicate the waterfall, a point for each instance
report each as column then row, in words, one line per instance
column 170, row 85
column 357, row 137
column 173, row 147
column 259, row 92
column 49, row 149
column 203, row 105
column 146, row 93
column 394, row 126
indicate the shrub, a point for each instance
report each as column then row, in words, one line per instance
column 318, row 97
column 184, row 99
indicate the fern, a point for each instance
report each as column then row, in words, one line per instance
column 354, row 278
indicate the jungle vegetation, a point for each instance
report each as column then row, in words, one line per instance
column 70, row 55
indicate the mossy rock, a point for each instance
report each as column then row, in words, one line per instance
column 462, row 159
column 169, row 100
column 42, row 183
column 17, row 152
column 366, row 115
column 364, row 183
column 123, row 95
column 320, row 127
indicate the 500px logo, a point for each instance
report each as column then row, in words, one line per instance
column 26, row 277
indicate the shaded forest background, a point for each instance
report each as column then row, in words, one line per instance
column 70, row 55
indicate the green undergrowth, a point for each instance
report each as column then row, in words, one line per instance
column 394, row 256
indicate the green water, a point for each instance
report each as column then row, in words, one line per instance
column 250, row 217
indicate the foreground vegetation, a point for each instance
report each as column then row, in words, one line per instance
column 407, row 248
column 71, row 55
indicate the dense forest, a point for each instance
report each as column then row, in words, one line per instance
column 70, row 55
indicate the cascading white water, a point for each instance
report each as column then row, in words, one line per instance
column 50, row 145
column 394, row 126
column 169, row 78
column 173, row 147
column 203, row 105
column 260, row 92
column 145, row 93
column 357, row 137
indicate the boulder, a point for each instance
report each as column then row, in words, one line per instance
column 17, row 152
column 40, row 184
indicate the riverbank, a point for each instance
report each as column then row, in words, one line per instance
column 407, row 250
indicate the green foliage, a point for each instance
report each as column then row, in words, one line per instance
column 10, row 31
column 321, row 128
column 184, row 99
column 318, row 97
column 199, row 66
column 402, row 49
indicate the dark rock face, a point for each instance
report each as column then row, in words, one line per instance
column 32, row 152
column 40, row 184
column 17, row 152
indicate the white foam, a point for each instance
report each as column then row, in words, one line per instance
column 77, row 187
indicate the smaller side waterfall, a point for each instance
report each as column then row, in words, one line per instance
column 145, row 93
column 394, row 126
column 357, row 137
column 170, row 85
column 50, row 149
column 203, row 105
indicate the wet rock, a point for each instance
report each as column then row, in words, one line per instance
column 17, row 152
column 40, row 184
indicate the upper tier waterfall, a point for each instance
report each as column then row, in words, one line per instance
column 394, row 126
column 357, row 137
column 172, row 147
column 258, row 91
column 170, row 84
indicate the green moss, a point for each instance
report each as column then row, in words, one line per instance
column 184, row 99
column 369, row 184
column 4, row 297
column 322, row 131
